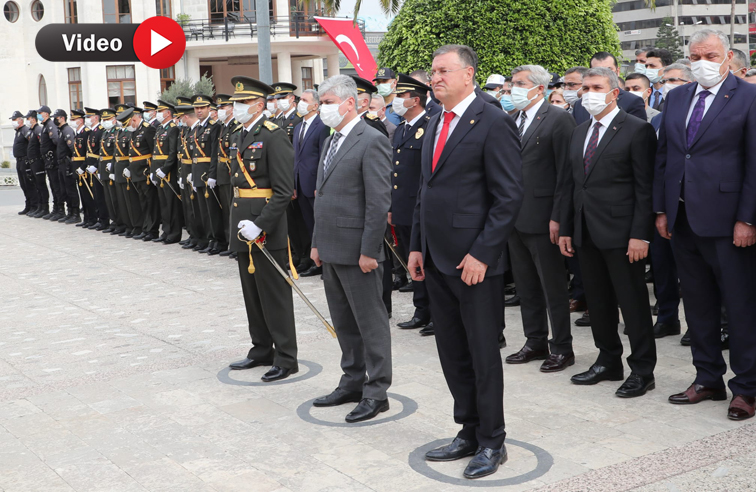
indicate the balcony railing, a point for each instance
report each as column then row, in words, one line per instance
column 234, row 26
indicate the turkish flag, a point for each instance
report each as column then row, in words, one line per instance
column 345, row 34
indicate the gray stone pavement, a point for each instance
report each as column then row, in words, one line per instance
column 113, row 377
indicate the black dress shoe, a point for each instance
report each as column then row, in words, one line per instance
column 502, row 341
column 655, row 309
column 139, row 236
column 184, row 242
column 188, row 246
column 249, row 364
column 338, row 397
column 413, row 323
column 24, row 211
column 636, row 385
column 685, row 340
column 512, row 301
column 160, row 239
column 427, row 330
column 197, row 247
column 148, row 237
column 83, row 224
column 399, row 282
column 305, row 265
column 409, row 287
column 233, row 255
column 662, row 330
column 213, row 251
column 558, row 362
column 312, row 271
column 510, row 290
column 367, row 409
column 205, row 250
column 584, row 320
column 129, row 235
column 225, row 253
column 275, row 373
column 649, row 277
column 99, row 226
column 170, row 242
column 459, row 448
column 526, row 354
column 598, row 373
column 486, row 462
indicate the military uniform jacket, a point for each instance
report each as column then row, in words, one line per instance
column 375, row 122
column 66, row 138
column 288, row 123
column 165, row 153
column 224, row 149
column 406, row 169
column 122, row 144
column 21, row 142
column 48, row 138
column 80, row 148
column 107, row 153
column 204, row 147
column 268, row 157
column 93, row 147
column 33, row 150
column 184, row 154
column 140, row 151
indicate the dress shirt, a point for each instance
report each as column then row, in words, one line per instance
column 247, row 127
column 709, row 99
column 605, row 122
column 305, row 126
column 458, row 111
column 531, row 114
column 344, row 132
column 286, row 116
column 406, row 125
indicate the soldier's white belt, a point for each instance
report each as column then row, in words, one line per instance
column 256, row 193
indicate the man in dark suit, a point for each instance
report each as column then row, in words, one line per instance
column 608, row 216
column 538, row 267
column 351, row 208
column 469, row 195
column 705, row 199
column 626, row 102
column 309, row 137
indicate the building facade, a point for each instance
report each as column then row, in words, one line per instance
column 221, row 42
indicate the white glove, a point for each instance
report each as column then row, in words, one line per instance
column 109, row 167
column 211, row 183
column 189, row 178
column 111, row 177
column 127, row 173
column 181, row 184
column 160, row 173
column 194, row 188
column 79, row 171
column 248, row 229
column 154, row 181
column 91, row 169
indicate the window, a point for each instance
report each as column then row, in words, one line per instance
column 163, row 7
column 38, row 10
column 638, row 5
column 167, row 77
column 236, row 10
column 638, row 43
column 116, row 11
column 306, row 78
column 70, row 11
column 74, row 88
column 121, row 85
column 42, row 91
column 11, row 11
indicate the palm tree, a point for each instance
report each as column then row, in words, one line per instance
column 732, row 24
column 389, row 7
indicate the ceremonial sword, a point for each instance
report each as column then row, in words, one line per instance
column 397, row 256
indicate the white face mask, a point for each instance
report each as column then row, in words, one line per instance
column 27, row 123
column 15, row 124
column 241, row 112
column 398, row 106
column 385, row 89
column 653, row 75
column 129, row 128
column 222, row 114
column 88, row 122
column 641, row 94
column 270, row 106
column 571, row 97
column 595, row 102
column 668, row 87
column 283, row 104
column 640, row 68
column 520, row 97
column 373, row 113
column 302, row 108
column 330, row 115
column 706, row 72
column 107, row 124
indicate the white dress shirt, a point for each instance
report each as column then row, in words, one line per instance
column 605, row 122
column 708, row 101
column 531, row 115
column 306, row 126
column 344, row 133
column 458, row 111
column 406, row 125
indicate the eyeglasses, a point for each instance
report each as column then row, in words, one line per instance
column 573, row 85
column 444, row 73
column 674, row 79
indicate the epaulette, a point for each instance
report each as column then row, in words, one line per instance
column 371, row 116
column 212, row 122
column 87, row 129
column 271, row 126
column 100, row 127
column 171, row 124
column 145, row 124
column 237, row 128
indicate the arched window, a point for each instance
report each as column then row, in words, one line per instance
column 42, row 91
column 38, row 10
column 11, row 11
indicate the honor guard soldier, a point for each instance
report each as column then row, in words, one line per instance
column 166, row 170
column 150, row 113
column 140, row 154
column 288, row 118
column 23, row 168
column 188, row 121
column 365, row 90
column 204, row 169
column 66, row 174
column 129, row 207
column 107, row 169
column 79, row 164
column 262, row 166
column 409, row 103
column 225, row 192
column 48, row 143
column 96, row 179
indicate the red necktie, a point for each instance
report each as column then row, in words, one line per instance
column 448, row 117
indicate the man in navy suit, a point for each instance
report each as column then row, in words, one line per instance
column 469, row 195
column 705, row 198
column 309, row 136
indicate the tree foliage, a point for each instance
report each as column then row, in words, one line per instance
column 668, row 38
column 557, row 34
column 188, row 88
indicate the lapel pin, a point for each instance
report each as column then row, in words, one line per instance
column 726, row 96
column 614, row 128
column 472, row 122
column 538, row 117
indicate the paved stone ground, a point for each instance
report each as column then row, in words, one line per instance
column 112, row 378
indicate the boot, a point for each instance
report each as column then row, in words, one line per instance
column 64, row 216
column 25, row 210
column 50, row 215
column 42, row 211
column 33, row 211
column 74, row 218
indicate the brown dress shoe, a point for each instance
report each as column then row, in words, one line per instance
column 697, row 393
column 558, row 362
column 525, row 355
column 741, row 407
column 577, row 306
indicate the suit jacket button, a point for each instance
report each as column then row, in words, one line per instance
column 397, row 163
column 429, row 186
column 687, row 156
column 396, row 187
column 236, row 175
column 396, row 175
column 398, row 151
column 235, row 205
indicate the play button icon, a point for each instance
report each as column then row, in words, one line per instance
column 159, row 42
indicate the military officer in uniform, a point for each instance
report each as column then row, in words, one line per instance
column 23, row 167
column 165, row 168
column 140, row 155
column 188, row 120
column 81, row 176
column 228, row 125
column 94, row 137
column 107, row 170
column 128, row 198
column 66, row 175
column 365, row 90
column 48, row 143
column 288, row 118
column 37, row 164
column 150, row 113
column 262, row 166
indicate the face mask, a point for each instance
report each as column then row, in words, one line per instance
column 222, row 114
column 548, row 93
column 571, row 97
column 271, row 106
column 302, row 108
column 639, row 94
column 241, row 112
column 653, row 75
column 27, row 123
column 107, row 124
column 398, row 106
column 506, row 103
column 39, row 118
column 668, row 87
column 160, row 117
column 130, row 129
column 330, row 115
column 283, row 104
column 520, row 97
column 385, row 89
column 88, row 122
column 595, row 102
column 640, row 68
column 706, row 72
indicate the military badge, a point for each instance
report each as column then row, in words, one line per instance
column 256, row 145
column 252, row 166
column 419, row 133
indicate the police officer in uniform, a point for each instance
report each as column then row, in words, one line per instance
column 66, row 174
column 37, row 164
column 365, row 87
column 166, row 170
column 129, row 208
column 107, row 169
column 187, row 120
column 288, row 118
column 82, row 180
column 228, row 125
column 140, row 154
column 23, row 168
column 48, row 143
column 262, row 166
column 94, row 137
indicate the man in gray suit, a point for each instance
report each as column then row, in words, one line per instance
column 352, row 200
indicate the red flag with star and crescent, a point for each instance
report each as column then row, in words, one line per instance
column 347, row 36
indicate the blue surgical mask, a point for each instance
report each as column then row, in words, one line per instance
column 39, row 118
column 548, row 93
column 506, row 103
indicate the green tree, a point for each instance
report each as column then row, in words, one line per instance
column 668, row 38
column 187, row 88
column 557, row 34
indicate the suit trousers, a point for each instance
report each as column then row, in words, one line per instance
column 714, row 271
column 419, row 291
column 300, row 233
column 171, row 211
column 573, row 266
column 467, row 322
column 112, row 204
column 539, row 274
column 124, row 204
column 88, row 206
column 388, row 270
column 609, row 279
column 150, row 208
column 101, row 214
column 226, row 195
column 361, row 322
column 136, row 205
column 666, row 286
column 38, row 169
column 270, row 309
column 210, row 216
